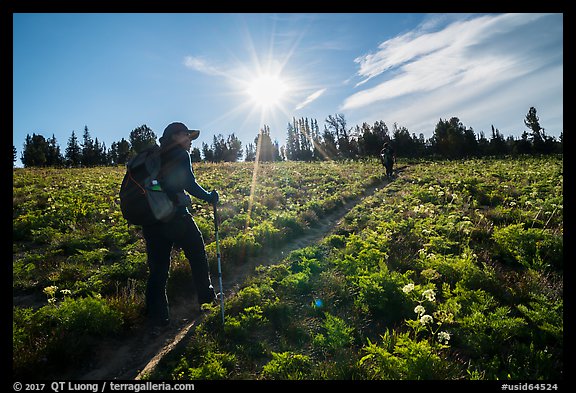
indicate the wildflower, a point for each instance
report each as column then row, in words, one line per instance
column 419, row 309
column 51, row 290
column 443, row 337
column 430, row 295
column 408, row 288
column 426, row 319
column 443, row 316
column 430, row 274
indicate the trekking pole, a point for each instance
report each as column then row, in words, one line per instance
column 219, row 265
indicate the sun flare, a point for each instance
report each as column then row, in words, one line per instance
column 267, row 90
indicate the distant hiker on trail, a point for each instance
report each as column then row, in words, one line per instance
column 388, row 158
column 181, row 231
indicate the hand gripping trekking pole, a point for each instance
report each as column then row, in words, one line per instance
column 219, row 265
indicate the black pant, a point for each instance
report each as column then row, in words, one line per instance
column 388, row 165
column 182, row 232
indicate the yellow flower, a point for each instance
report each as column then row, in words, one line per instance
column 51, row 290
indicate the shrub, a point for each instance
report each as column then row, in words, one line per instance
column 213, row 366
column 380, row 294
column 532, row 247
column 287, row 365
column 399, row 357
column 61, row 333
column 337, row 334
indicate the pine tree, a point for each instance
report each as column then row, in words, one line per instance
column 207, row 152
column 266, row 151
column 53, row 156
column 250, row 152
column 538, row 136
column 234, row 148
column 88, row 151
column 35, row 151
column 142, row 137
column 292, row 142
column 119, row 152
column 73, row 153
column 195, row 155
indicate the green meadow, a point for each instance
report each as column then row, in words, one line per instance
column 453, row 270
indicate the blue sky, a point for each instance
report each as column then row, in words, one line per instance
column 232, row 73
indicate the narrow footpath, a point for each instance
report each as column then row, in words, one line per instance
column 134, row 357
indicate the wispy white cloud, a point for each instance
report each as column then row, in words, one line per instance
column 473, row 54
column 310, row 98
column 504, row 106
column 201, row 65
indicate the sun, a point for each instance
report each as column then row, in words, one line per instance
column 267, row 90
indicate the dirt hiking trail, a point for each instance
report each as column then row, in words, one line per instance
column 136, row 355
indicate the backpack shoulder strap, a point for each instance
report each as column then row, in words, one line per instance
column 138, row 160
column 153, row 161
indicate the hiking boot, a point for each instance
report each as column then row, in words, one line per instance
column 158, row 322
column 208, row 297
column 157, row 326
column 205, row 306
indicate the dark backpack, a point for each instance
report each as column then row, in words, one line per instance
column 142, row 199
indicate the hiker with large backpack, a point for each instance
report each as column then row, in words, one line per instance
column 177, row 179
column 388, row 158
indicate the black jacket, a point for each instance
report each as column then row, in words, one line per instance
column 177, row 176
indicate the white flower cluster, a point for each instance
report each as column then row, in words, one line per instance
column 419, row 309
column 51, row 293
column 426, row 319
column 443, row 337
column 430, row 295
